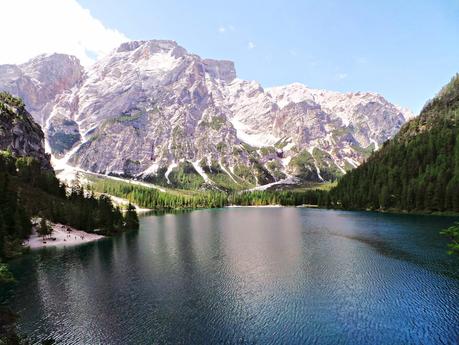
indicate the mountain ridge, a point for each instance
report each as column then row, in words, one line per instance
column 150, row 109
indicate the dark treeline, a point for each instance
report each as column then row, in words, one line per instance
column 158, row 200
column 27, row 190
column 284, row 198
column 416, row 171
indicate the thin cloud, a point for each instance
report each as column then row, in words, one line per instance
column 59, row 26
column 251, row 45
column 226, row 28
column 341, row 76
column 361, row 60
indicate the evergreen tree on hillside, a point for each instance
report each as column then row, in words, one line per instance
column 131, row 218
column 417, row 170
column 26, row 190
column 158, row 200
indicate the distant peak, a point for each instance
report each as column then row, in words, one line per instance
column 164, row 45
column 220, row 69
column 53, row 57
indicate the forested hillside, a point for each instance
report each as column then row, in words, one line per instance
column 180, row 199
column 418, row 170
column 28, row 186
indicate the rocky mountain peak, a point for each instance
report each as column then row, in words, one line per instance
column 151, row 47
column 151, row 110
column 61, row 67
column 40, row 80
column 19, row 134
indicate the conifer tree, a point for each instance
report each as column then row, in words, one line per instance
column 44, row 229
column 131, row 219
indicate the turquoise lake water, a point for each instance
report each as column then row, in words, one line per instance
column 248, row 276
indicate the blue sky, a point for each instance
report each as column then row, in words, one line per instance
column 405, row 50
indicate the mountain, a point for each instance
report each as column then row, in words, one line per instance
column 40, row 80
column 19, row 134
column 151, row 110
column 417, row 170
column 29, row 187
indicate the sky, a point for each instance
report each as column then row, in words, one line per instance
column 405, row 50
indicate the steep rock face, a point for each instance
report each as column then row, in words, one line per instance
column 151, row 109
column 19, row 134
column 220, row 70
column 335, row 131
column 146, row 108
column 369, row 117
column 40, row 80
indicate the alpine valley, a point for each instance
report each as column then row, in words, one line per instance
column 155, row 197
column 150, row 110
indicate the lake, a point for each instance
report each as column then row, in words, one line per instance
column 248, row 276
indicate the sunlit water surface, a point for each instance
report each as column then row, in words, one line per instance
column 248, row 275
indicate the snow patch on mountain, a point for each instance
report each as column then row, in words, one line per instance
column 259, row 139
column 201, row 172
column 169, row 170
